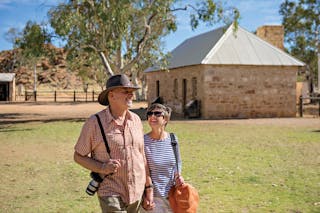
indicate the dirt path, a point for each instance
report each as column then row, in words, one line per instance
column 28, row 112
column 46, row 112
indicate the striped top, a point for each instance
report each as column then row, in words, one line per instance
column 126, row 144
column 162, row 164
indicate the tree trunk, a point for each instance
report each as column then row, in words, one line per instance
column 135, row 83
column 318, row 55
column 35, row 77
column 105, row 63
column 144, row 88
column 119, row 59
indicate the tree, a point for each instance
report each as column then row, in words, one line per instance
column 127, row 34
column 88, row 67
column 302, row 27
column 32, row 42
column 11, row 36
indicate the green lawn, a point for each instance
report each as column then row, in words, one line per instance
column 236, row 168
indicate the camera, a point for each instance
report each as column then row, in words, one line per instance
column 94, row 183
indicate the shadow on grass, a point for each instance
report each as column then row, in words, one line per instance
column 142, row 113
column 5, row 125
column 23, row 118
column 9, row 129
column 15, row 115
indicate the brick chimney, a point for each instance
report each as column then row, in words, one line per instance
column 274, row 34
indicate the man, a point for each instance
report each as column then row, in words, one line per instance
column 124, row 169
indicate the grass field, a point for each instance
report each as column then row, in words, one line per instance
column 235, row 167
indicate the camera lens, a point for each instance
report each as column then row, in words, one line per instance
column 92, row 187
column 94, row 183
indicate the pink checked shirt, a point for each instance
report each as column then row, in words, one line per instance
column 126, row 144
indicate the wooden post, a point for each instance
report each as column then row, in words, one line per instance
column 55, row 96
column 74, row 96
column 300, row 106
column 92, row 95
column 35, row 95
column 25, row 95
column 86, row 95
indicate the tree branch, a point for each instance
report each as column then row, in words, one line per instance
column 181, row 8
column 141, row 42
column 105, row 62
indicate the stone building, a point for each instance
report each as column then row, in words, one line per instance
column 227, row 74
column 7, row 86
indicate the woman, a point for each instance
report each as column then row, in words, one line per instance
column 161, row 161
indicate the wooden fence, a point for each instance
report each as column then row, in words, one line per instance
column 59, row 96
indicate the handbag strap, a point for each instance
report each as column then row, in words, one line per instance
column 174, row 147
column 103, row 134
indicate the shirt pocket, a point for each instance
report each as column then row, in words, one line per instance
column 100, row 152
column 115, row 140
column 137, row 139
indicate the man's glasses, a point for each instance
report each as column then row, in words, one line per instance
column 155, row 113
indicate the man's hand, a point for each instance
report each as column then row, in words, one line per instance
column 111, row 166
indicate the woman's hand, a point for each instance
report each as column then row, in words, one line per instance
column 148, row 203
column 179, row 180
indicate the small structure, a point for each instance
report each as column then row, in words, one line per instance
column 227, row 74
column 274, row 34
column 7, row 86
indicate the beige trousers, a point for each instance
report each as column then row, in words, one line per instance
column 116, row 205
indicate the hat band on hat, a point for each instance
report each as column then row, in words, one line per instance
column 115, row 81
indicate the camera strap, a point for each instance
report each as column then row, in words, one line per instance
column 103, row 134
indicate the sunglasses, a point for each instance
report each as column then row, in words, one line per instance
column 155, row 113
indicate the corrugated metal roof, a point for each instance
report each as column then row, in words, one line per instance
column 7, row 77
column 225, row 47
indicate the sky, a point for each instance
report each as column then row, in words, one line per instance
column 254, row 13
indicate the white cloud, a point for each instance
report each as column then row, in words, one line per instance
column 4, row 4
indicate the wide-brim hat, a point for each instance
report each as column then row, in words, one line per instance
column 115, row 81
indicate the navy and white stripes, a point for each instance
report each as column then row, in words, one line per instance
column 162, row 164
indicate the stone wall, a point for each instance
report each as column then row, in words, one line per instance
column 274, row 34
column 249, row 91
column 174, row 96
column 12, row 90
column 230, row 91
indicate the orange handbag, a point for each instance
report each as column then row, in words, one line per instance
column 183, row 198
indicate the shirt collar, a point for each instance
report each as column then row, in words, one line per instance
column 110, row 118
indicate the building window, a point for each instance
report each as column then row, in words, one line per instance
column 175, row 88
column 184, row 92
column 158, row 88
column 194, row 88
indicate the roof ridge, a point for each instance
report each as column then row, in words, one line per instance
column 272, row 46
column 199, row 35
column 217, row 45
column 279, row 50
